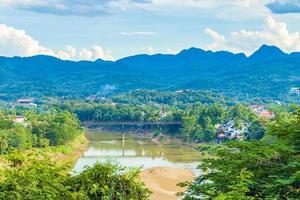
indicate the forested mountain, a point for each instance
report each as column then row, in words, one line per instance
column 268, row 73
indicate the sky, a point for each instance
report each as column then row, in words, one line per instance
column 113, row 29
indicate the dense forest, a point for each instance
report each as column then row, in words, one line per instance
column 263, row 165
column 36, row 130
column 200, row 113
column 263, row 169
column 28, row 172
column 269, row 73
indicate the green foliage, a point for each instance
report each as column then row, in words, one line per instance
column 19, row 137
column 41, row 179
column 256, row 130
column 239, row 189
column 111, row 112
column 16, row 159
column 201, row 113
column 239, row 76
column 3, row 142
column 5, row 120
column 200, row 121
column 265, row 169
column 39, row 130
column 109, row 181
column 179, row 99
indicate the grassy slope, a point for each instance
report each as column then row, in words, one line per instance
column 63, row 155
column 68, row 154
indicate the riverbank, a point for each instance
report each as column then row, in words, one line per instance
column 162, row 181
column 68, row 154
column 157, row 136
column 63, row 155
column 166, row 160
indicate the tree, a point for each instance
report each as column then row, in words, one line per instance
column 256, row 130
column 3, row 142
column 19, row 137
column 273, row 163
column 108, row 181
column 41, row 180
column 238, row 190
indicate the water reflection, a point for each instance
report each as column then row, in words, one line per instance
column 136, row 153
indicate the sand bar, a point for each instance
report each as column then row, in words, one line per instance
column 162, row 181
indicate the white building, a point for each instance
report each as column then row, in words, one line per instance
column 20, row 120
column 228, row 131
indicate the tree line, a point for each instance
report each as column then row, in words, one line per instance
column 53, row 128
column 28, row 173
column 200, row 121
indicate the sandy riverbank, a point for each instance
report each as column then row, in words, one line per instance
column 162, row 181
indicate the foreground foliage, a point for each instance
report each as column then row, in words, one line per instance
column 43, row 180
column 265, row 169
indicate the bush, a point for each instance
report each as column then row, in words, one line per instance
column 43, row 180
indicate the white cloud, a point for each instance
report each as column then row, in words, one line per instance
column 274, row 33
column 93, row 53
column 150, row 50
column 205, row 4
column 215, row 35
column 61, row 7
column 225, row 9
column 173, row 51
column 17, row 42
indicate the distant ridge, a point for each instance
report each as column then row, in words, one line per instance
column 268, row 73
column 267, row 53
column 193, row 51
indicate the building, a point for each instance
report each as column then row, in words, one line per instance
column 91, row 98
column 267, row 114
column 295, row 90
column 228, row 131
column 20, row 120
column 163, row 114
column 26, row 103
column 262, row 111
column 113, row 104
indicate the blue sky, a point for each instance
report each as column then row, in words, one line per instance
column 112, row 29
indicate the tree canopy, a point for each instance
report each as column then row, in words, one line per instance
column 264, row 169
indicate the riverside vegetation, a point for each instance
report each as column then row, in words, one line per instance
column 265, row 166
column 269, row 73
column 265, row 169
column 200, row 112
column 29, row 172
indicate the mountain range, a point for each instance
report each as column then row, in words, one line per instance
column 269, row 73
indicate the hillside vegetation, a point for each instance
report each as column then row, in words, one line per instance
column 269, row 73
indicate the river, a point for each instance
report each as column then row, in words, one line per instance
column 137, row 152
